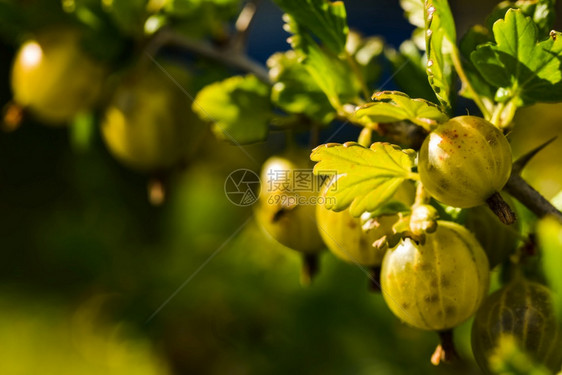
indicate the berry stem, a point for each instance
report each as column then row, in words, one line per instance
column 365, row 137
column 374, row 280
column 445, row 351
column 13, row 115
column 501, row 209
column 156, row 191
column 310, row 267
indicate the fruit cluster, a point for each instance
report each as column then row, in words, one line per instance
column 435, row 274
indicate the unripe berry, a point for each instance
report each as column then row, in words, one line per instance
column 437, row 285
column 465, row 161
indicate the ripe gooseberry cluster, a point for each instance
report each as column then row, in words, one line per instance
column 437, row 277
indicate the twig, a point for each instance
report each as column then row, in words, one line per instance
column 226, row 56
column 525, row 193
column 530, row 198
column 242, row 26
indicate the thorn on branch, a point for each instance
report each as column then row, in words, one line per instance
column 520, row 163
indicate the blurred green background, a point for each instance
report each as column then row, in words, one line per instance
column 87, row 261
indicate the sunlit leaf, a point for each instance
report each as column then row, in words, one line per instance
column 366, row 177
column 239, row 108
column 392, row 106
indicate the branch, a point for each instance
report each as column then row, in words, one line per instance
column 524, row 193
column 532, row 199
column 226, row 56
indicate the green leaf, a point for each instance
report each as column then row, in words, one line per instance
column 542, row 12
column 295, row 91
column 366, row 177
column 409, row 70
column 393, row 106
column 332, row 74
column 324, row 19
column 239, row 108
column 550, row 239
column 440, row 39
column 523, row 69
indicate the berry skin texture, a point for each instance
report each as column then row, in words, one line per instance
column 149, row 125
column 345, row 238
column 278, row 211
column 524, row 310
column 54, row 78
column 437, row 285
column 464, row 162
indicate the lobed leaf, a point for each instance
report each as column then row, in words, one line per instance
column 366, row 178
column 324, row 19
column 393, row 106
column 295, row 90
column 332, row 74
column 239, row 108
column 520, row 67
column 542, row 12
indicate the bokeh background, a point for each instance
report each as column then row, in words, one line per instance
column 87, row 263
